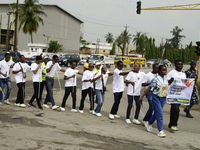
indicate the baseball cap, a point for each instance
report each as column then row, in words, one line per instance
column 98, row 63
column 193, row 62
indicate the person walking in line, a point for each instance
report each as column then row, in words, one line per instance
column 70, row 86
column 44, row 63
column 86, row 65
column 149, row 77
column 118, row 88
column 101, row 79
column 192, row 73
column 134, row 81
column 5, row 76
column 174, row 111
column 96, row 69
column 159, row 88
column 19, row 70
column 37, row 80
column 51, row 68
column 87, row 88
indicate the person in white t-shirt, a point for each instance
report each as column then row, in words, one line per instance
column 5, row 76
column 134, row 82
column 70, row 86
column 174, row 111
column 149, row 77
column 18, row 69
column 51, row 68
column 118, row 88
column 87, row 88
column 100, row 87
column 36, row 68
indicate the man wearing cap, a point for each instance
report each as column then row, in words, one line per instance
column 5, row 76
column 98, row 64
column 192, row 73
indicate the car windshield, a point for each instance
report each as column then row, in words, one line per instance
column 151, row 60
column 117, row 58
column 132, row 59
column 95, row 57
column 66, row 57
column 33, row 57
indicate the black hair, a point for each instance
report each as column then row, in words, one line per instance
column 72, row 62
column 155, row 64
column 38, row 57
column 20, row 56
column 55, row 56
column 138, row 64
column 119, row 62
column 6, row 54
column 176, row 61
column 160, row 67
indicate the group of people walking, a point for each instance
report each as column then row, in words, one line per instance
column 94, row 83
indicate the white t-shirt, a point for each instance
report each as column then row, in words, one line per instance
column 99, row 81
column 55, row 67
column 5, row 68
column 86, row 76
column 149, row 77
column 72, row 81
column 176, row 74
column 138, row 78
column 38, row 76
column 19, row 76
column 118, row 81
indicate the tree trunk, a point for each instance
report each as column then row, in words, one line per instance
column 31, row 33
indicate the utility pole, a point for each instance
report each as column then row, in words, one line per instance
column 162, row 45
column 98, row 45
column 16, row 27
column 143, row 53
column 180, row 57
column 8, row 30
column 126, row 44
column 0, row 26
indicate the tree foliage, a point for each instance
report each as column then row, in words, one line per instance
column 54, row 46
column 112, row 52
column 109, row 37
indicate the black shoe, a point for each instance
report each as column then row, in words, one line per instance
column 31, row 105
column 40, row 108
column 186, row 111
column 189, row 115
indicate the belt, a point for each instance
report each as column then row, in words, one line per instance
column 50, row 77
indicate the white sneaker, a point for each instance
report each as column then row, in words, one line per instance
column 145, row 123
column 98, row 114
column 116, row 116
column 0, row 103
column 161, row 134
column 94, row 113
column 91, row 111
column 61, row 108
column 174, row 128
column 81, row 111
column 22, row 105
column 136, row 121
column 45, row 105
column 55, row 107
column 7, row 102
column 128, row 121
column 17, row 104
column 149, row 127
column 111, row 116
column 74, row 110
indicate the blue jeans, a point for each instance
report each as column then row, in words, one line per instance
column 158, row 104
column 117, row 98
column 130, row 105
column 95, row 91
column 49, row 85
column 150, row 110
column 6, row 81
column 101, row 99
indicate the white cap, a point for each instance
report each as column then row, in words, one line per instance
column 98, row 63
column 46, row 57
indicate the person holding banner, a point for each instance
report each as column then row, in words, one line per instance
column 159, row 88
column 70, row 86
column 174, row 111
column 134, row 81
column 192, row 73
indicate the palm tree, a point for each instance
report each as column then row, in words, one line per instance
column 136, row 38
column 29, row 16
column 109, row 37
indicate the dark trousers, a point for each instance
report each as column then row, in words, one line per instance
column 20, row 93
column 117, row 98
column 174, row 115
column 91, row 95
column 43, row 83
column 69, row 90
column 130, row 105
column 36, row 95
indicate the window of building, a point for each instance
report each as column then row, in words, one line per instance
column 104, row 51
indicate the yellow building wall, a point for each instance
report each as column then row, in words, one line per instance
column 89, row 51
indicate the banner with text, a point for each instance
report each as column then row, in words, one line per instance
column 180, row 91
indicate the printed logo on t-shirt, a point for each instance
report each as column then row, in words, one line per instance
column 138, row 78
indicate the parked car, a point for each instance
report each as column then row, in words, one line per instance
column 67, row 58
column 165, row 62
column 15, row 55
column 31, row 60
column 151, row 61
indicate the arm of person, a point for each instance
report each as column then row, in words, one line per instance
column 129, row 82
column 110, row 73
column 62, row 70
column 36, row 70
column 49, row 69
column 171, row 80
column 3, row 74
column 147, row 91
column 145, row 84
column 66, row 77
column 80, row 73
column 96, row 78
column 123, row 73
column 15, row 72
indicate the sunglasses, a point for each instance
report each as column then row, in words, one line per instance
column 7, row 57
